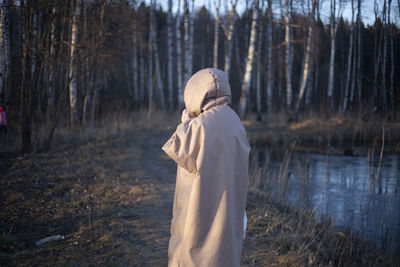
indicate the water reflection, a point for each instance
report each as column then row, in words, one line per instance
column 360, row 192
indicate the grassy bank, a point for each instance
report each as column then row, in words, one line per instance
column 110, row 196
column 336, row 134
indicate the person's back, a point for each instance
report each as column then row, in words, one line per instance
column 211, row 150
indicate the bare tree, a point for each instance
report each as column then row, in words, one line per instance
column 150, row 55
column 269, row 55
column 216, row 34
column 73, row 65
column 349, row 61
column 170, row 32
column 359, row 54
column 288, row 59
column 179, row 79
column 307, row 57
column 229, row 43
column 259, row 63
column 249, row 63
column 391, row 86
column 188, row 39
column 384, row 58
column 333, row 30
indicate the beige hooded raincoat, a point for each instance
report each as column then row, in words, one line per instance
column 211, row 150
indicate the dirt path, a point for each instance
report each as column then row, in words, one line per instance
column 111, row 199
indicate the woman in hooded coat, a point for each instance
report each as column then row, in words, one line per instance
column 211, row 150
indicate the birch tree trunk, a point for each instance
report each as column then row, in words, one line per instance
column 72, row 66
column 150, row 59
column 189, row 59
column 229, row 43
column 392, row 66
column 333, row 30
column 377, row 54
column 170, row 56
column 307, row 58
column 259, row 64
column 51, row 100
column 359, row 53
column 87, row 101
column 384, row 58
column 186, row 38
column 269, row 56
column 288, row 61
column 179, row 80
column 216, row 36
column 349, row 61
column 249, row 64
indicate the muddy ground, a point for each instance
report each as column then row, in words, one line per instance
column 111, row 199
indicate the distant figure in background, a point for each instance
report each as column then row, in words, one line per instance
column 211, row 149
column 3, row 121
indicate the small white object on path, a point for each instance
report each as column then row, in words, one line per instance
column 49, row 239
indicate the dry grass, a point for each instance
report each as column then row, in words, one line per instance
column 281, row 236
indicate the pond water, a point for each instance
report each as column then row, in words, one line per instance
column 361, row 192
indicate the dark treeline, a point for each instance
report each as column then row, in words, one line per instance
column 76, row 60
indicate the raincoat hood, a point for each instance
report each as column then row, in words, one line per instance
column 206, row 89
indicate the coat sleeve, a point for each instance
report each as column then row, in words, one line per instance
column 184, row 145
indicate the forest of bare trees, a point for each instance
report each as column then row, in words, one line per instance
column 75, row 60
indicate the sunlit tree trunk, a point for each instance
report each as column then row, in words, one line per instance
column 87, row 101
column 72, row 65
column 170, row 31
column 288, row 61
column 377, row 54
column 188, row 40
column 150, row 59
column 349, row 62
column 392, row 66
column 259, row 63
column 51, row 98
column 229, row 43
column 216, row 35
column 333, row 30
column 190, row 45
column 269, row 56
column 179, row 78
column 249, row 64
column 307, row 58
column 359, row 54
column 384, row 58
